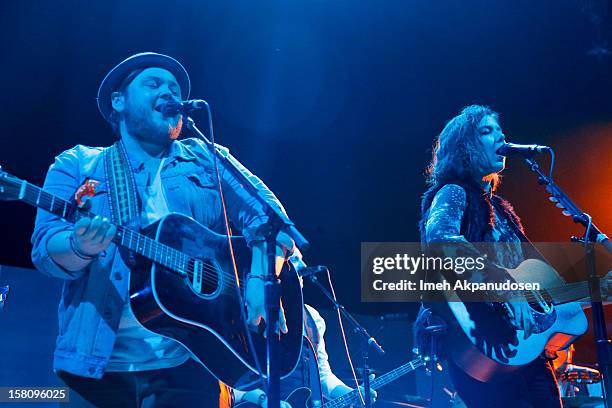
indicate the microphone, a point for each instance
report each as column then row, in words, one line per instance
column 510, row 149
column 185, row 107
column 303, row 270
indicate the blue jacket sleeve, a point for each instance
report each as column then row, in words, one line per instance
column 62, row 181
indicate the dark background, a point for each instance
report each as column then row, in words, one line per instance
column 334, row 104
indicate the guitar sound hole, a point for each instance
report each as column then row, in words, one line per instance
column 204, row 277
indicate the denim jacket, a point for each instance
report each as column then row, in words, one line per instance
column 92, row 298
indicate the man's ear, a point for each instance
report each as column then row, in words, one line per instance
column 118, row 101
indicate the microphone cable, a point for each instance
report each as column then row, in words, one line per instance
column 228, row 234
column 346, row 347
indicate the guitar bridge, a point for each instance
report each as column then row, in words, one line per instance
column 197, row 276
column 204, row 278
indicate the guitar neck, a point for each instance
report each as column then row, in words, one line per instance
column 132, row 240
column 353, row 396
column 37, row 197
column 568, row 293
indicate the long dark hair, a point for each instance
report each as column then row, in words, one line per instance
column 457, row 149
column 457, row 152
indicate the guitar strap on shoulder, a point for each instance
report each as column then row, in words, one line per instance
column 123, row 197
column 530, row 251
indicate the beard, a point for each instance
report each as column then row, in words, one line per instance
column 150, row 126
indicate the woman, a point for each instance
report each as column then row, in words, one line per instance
column 461, row 206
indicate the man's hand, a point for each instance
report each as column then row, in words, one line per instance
column 286, row 244
column 255, row 301
column 93, row 235
column 373, row 393
column 342, row 389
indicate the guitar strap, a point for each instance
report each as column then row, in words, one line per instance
column 529, row 250
column 123, row 198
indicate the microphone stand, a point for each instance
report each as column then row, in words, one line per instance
column 367, row 340
column 278, row 221
column 592, row 235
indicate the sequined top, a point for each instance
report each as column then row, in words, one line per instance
column 445, row 220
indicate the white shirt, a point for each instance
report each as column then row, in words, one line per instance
column 136, row 348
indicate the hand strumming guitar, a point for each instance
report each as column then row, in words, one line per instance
column 522, row 317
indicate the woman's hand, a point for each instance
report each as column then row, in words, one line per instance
column 522, row 318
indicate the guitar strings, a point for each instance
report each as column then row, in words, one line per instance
column 568, row 289
column 172, row 255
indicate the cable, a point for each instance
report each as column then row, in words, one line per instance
column 588, row 230
column 231, row 249
column 346, row 347
column 552, row 164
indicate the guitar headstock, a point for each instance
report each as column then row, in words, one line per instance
column 10, row 186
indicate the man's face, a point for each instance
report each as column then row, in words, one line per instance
column 149, row 89
column 491, row 138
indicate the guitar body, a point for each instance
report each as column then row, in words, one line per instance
column 300, row 398
column 486, row 346
column 203, row 311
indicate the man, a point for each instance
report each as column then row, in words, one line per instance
column 313, row 372
column 102, row 352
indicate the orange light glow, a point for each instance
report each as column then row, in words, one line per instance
column 174, row 132
column 583, row 170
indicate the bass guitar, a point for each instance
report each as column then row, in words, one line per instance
column 301, row 397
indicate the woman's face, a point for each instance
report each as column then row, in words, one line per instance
column 491, row 138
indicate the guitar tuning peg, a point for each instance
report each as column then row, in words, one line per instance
column 578, row 219
column 553, row 199
column 559, row 205
column 566, row 213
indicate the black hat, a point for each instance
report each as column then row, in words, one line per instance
column 139, row 61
